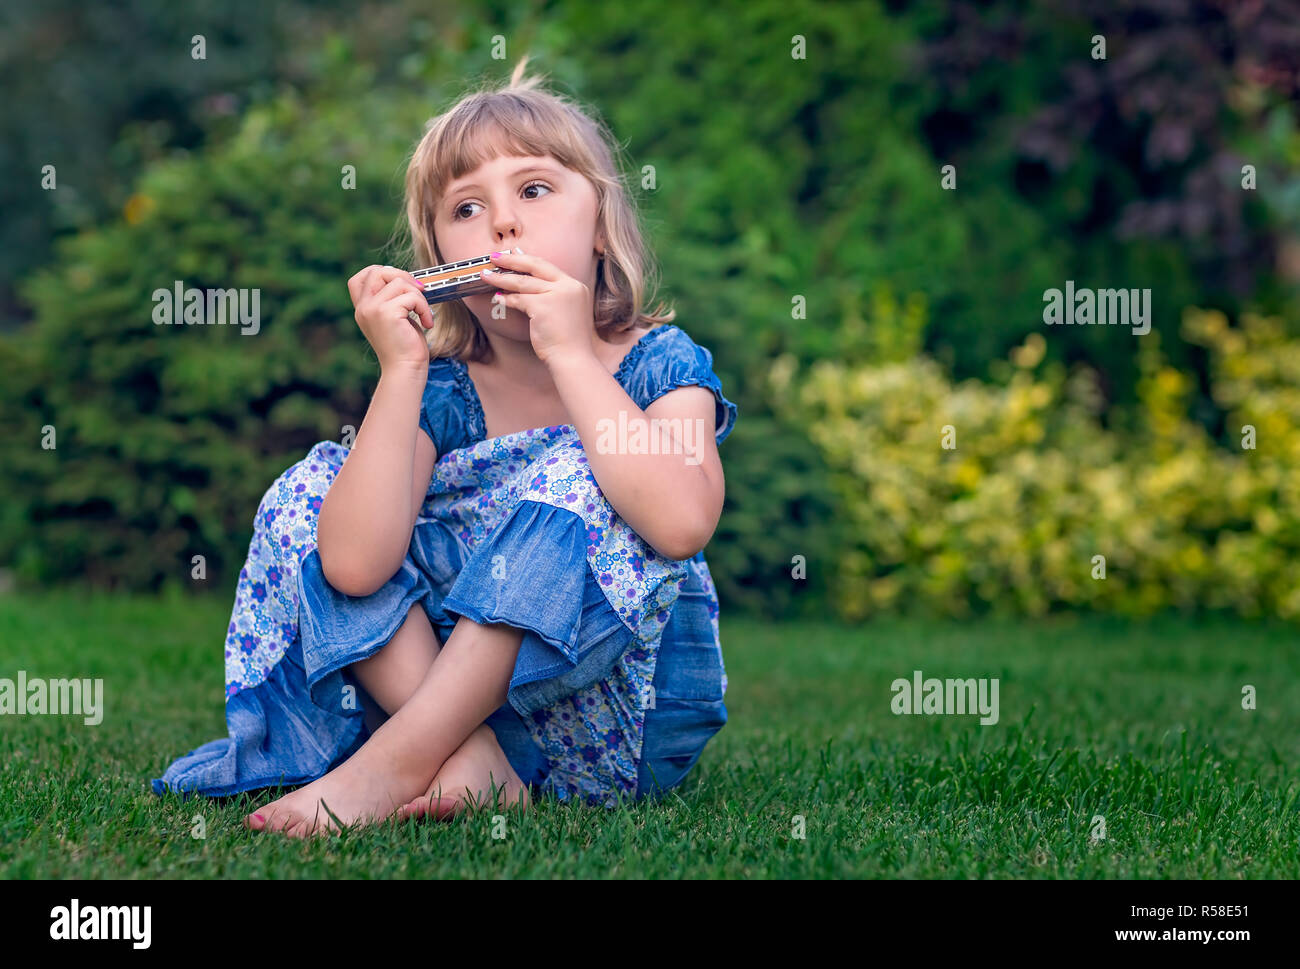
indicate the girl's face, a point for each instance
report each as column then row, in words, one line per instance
column 532, row 202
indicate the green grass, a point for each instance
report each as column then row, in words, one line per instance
column 1138, row 722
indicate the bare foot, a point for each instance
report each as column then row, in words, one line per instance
column 466, row 779
column 351, row 794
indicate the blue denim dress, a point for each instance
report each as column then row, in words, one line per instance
column 619, row 682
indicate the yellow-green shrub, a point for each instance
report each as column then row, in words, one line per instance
column 1012, row 516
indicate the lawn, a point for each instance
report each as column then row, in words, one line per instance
column 813, row 777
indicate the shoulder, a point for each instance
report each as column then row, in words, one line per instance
column 667, row 358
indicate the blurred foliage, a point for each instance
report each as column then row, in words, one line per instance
column 795, row 205
column 1010, row 517
column 1131, row 163
column 168, row 435
column 101, row 90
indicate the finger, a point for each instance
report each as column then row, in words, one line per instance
column 424, row 311
column 363, row 281
column 381, row 276
column 373, row 281
column 533, row 265
column 370, row 281
column 516, row 282
column 357, row 286
column 514, row 301
column 396, row 286
column 402, row 280
column 409, row 303
column 395, row 301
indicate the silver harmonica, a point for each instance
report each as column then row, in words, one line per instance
column 455, row 280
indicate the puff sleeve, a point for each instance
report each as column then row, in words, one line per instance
column 670, row 359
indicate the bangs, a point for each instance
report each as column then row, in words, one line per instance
column 486, row 128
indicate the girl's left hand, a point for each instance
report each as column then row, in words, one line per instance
column 559, row 307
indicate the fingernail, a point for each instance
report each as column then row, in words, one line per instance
column 495, row 254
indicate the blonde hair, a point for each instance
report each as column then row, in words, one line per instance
column 520, row 119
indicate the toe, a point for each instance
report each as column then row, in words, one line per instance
column 409, row 810
column 414, row 809
column 430, row 806
column 282, row 821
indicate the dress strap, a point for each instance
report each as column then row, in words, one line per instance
column 478, row 422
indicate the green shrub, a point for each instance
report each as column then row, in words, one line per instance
column 167, row 436
column 1012, row 517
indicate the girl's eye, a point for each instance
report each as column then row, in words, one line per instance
column 457, row 217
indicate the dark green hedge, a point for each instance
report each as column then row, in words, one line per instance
column 167, row 436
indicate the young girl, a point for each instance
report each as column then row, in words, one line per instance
column 501, row 591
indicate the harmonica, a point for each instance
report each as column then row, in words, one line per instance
column 455, row 280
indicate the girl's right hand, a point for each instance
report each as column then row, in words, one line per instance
column 383, row 296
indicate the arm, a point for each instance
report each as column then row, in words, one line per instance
column 369, row 513
column 669, row 499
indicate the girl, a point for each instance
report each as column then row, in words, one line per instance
column 501, row 591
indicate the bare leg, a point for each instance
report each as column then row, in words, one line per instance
column 478, row 770
column 391, row 675
column 372, row 715
column 401, row 759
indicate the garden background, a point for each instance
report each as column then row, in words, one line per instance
column 863, row 301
